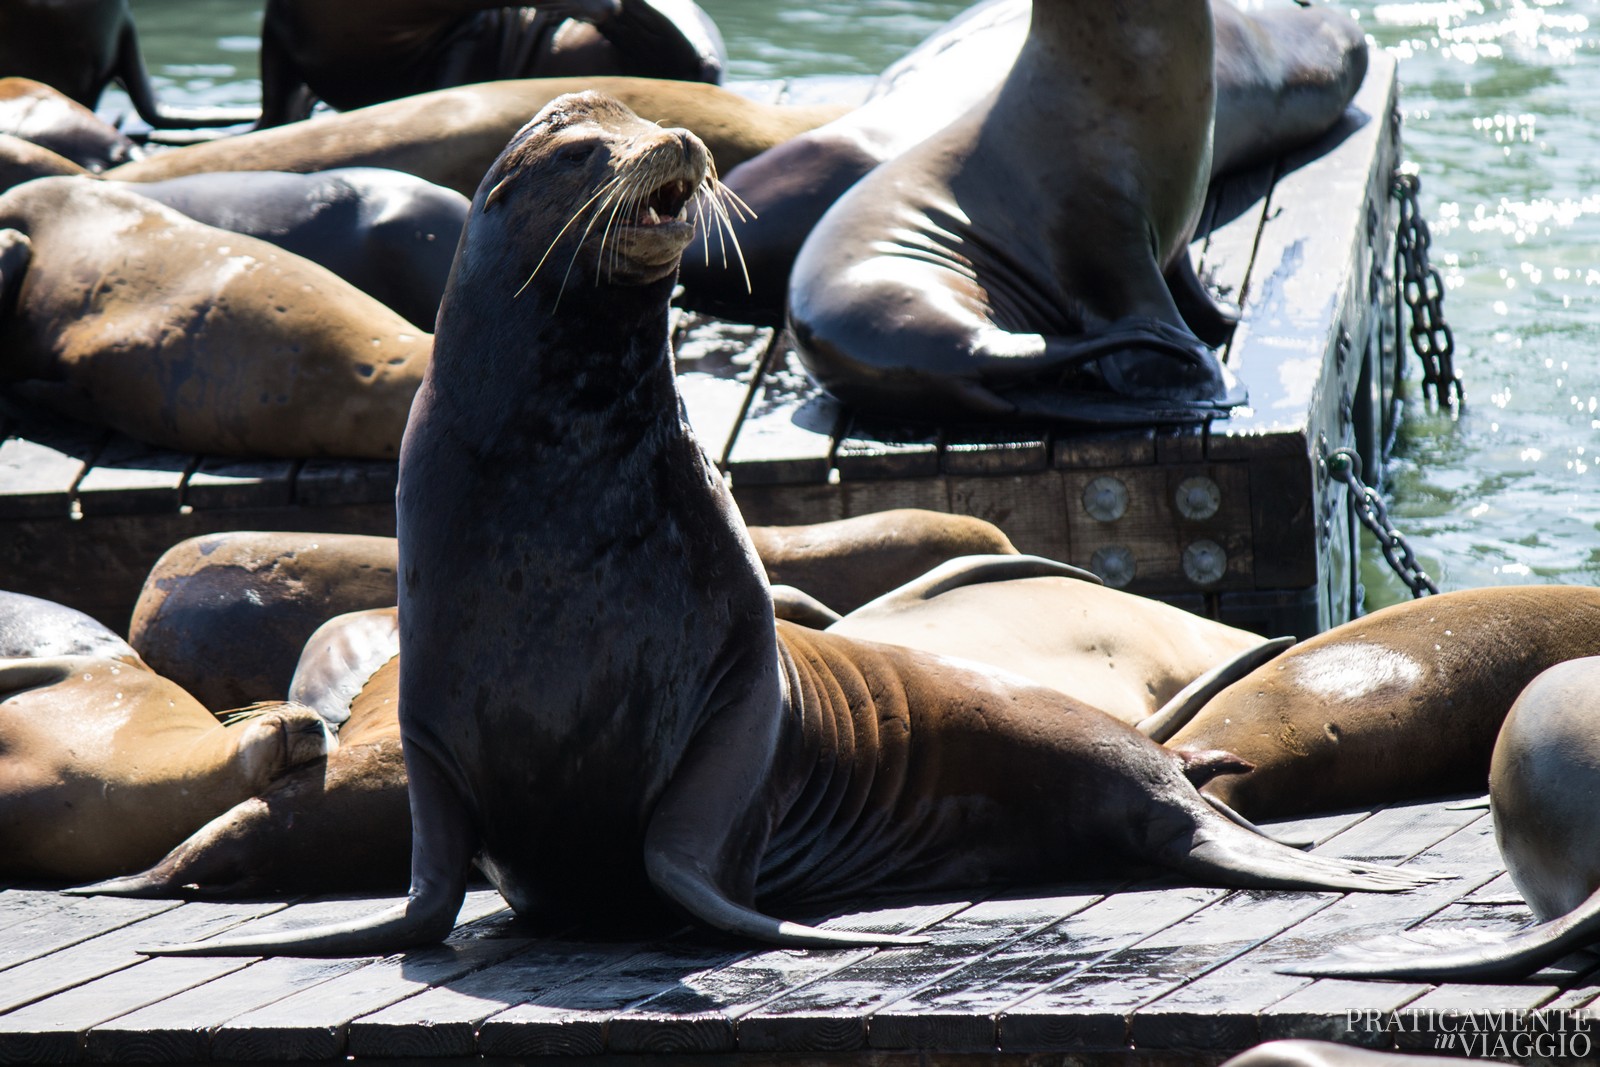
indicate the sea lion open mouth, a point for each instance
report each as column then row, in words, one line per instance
column 668, row 204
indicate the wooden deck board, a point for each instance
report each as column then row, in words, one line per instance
column 1095, row 969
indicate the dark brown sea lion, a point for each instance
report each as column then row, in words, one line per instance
column 1402, row 704
column 390, row 234
column 227, row 615
column 334, row 825
column 1283, row 77
column 22, row 161
column 104, row 764
column 121, row 312
column 934, row 291
column 450, row 137
column 595, row 700
column 360, row 52
column 1543, row 780
column 50, row 119
column 80, row 47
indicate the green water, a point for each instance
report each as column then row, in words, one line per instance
column 1502, row 107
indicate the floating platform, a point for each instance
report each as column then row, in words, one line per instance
column 1143, row 972
column 1237, row 520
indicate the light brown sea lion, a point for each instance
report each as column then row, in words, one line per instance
column 81, row 46
column 451, row 136
column 129, row 315
column 1543, row 780
column 360, row 52
column 104, row 764
column 227, row 615
column 1284, row 76
column 1402, row 704
column 1126, row 655
column 848, row 562
column 50, row 119
column 22, row 161
column 574, row 576
column 339, row 825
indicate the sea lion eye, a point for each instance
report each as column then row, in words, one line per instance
column 573, row 154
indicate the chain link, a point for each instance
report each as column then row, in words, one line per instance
column 1423, row 291
column 1345, row 465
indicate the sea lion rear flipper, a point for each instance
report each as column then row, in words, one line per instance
column 1211, row 321
column 1187, row 702
column 1463, row 955
column 443, row 844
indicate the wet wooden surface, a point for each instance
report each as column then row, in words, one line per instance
column 1111, row 971
column 84, row 512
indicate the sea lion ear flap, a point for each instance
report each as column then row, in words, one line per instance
column 1200, row 767
column 494, row 194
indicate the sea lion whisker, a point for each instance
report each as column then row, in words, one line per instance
column 607, row 187
column 613, row 189
column 630, row 199
column 725, row 226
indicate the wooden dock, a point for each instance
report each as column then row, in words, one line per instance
column 1237, row 520
column 1141, row 972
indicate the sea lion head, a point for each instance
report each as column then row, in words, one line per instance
column 599, row 193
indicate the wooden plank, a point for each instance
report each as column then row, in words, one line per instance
column 717, row 362
column 709, row 1011
column 1111, row 448
column 117, row 949
column 1028, row 507
column 994, row 450
column 53, row 1030
column 960, row 1011
column 221, row 483
column 332, row 482
column 833, row 1013
column 787, row 505
column 1218, row 1010
column 191, row 1025
column 131, row 477
column 867, row 495
column 786, row 437
column 878, row 449
column 40, row 464
column 37, row 922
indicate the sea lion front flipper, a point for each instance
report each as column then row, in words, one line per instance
column 710, row 814
column 1187, row 702
column 798, row 606
column 130, row 71
column 1461, row 955
column 442, row 846
column 1218, row 849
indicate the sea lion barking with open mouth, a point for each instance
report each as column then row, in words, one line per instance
column 595, row 701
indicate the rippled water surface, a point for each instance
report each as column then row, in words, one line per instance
column 1502, row 109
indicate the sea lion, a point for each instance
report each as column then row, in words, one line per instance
column 932, row 291
column 849, row 562
column 81, row 46
column 356, row 53
column 50, row 119
column 104, row 764
column 22, row 161
column 451, row 136
column 1304, row 1053
column 1402, row 704
column 339, row 825
column 127, row 314
column 227, row 615
column 390, row 234
column 1543, row 779
column 1284, row 76
column 1126, row 655
column 595, row 699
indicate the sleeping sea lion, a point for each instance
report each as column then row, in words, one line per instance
column 596, row 703
column 120, row 312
